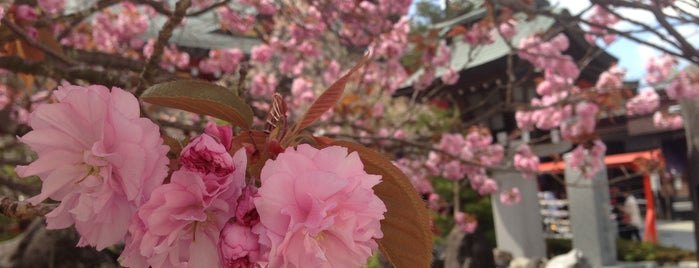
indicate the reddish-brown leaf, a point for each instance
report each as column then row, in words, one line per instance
column 203, row 98
column 329, row 98
column 456, row 30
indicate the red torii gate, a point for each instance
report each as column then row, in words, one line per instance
column 637, row 161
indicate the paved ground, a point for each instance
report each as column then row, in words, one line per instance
column 676, row 233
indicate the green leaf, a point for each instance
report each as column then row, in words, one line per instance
column 203, row 98
column 329, row 97
column 407, row 239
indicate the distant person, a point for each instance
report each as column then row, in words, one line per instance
column 632, row 216
column 666, row 197
column 622, row 226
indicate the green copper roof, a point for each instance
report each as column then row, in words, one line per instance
column 465, row 56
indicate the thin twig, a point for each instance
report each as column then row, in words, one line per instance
column 35, row 43
column 159, row 46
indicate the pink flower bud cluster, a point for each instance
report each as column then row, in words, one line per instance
column 302, row 92
column 510, row 197
column 644, row 103
column 479, row 34
column 601, row 16
column 526, row 161
column 364, row 20
column 261, row 53
column 659, row 69
column 589, row 161
column 222, row 61
column 393, row 44
column 663, row 120
column 475, row 147
column 122, row 30
column 416, row 173
column 171, row 58
column 440, row 57
column 685, row 86
column 233, row 20
column 26, row 13
column 466, row 222
column 507, row 23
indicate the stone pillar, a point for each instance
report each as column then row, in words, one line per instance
column 518, row 228
column 594, row 231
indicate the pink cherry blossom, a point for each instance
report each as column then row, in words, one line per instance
column 97, row 157
column 600, row 16
column 51, row 6
column 26, row 13
column 222, row 134
column 508, row 28
column 443, row 54
column 263, row 84
column 488, row 186
column 261, row 53
column 416, row 173
column 479, row 34
column 510, row 197
column 204, row 154
column 239, row 247
column 450, row 77
column 175, row 227
column 318, row 208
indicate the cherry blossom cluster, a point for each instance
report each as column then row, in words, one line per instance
column 510, row 197
column 645, row 102
column 659, row 69
column 588, row 158
column 526, row 161
column 664, row 120
column 508, row 24
column 600, row 16
column 416, row 173
column 546, row 113
column 439, row 57
column 584, row 121
column 560, row 71
column 466, row 223
column 611, row 79
column 107, row 168
column 685, row 86
column 52, row 6
column 476, row 147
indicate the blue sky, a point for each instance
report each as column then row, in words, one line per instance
column 631, row 56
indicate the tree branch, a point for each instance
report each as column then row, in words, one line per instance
column 163, row 37
column 23, row 210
